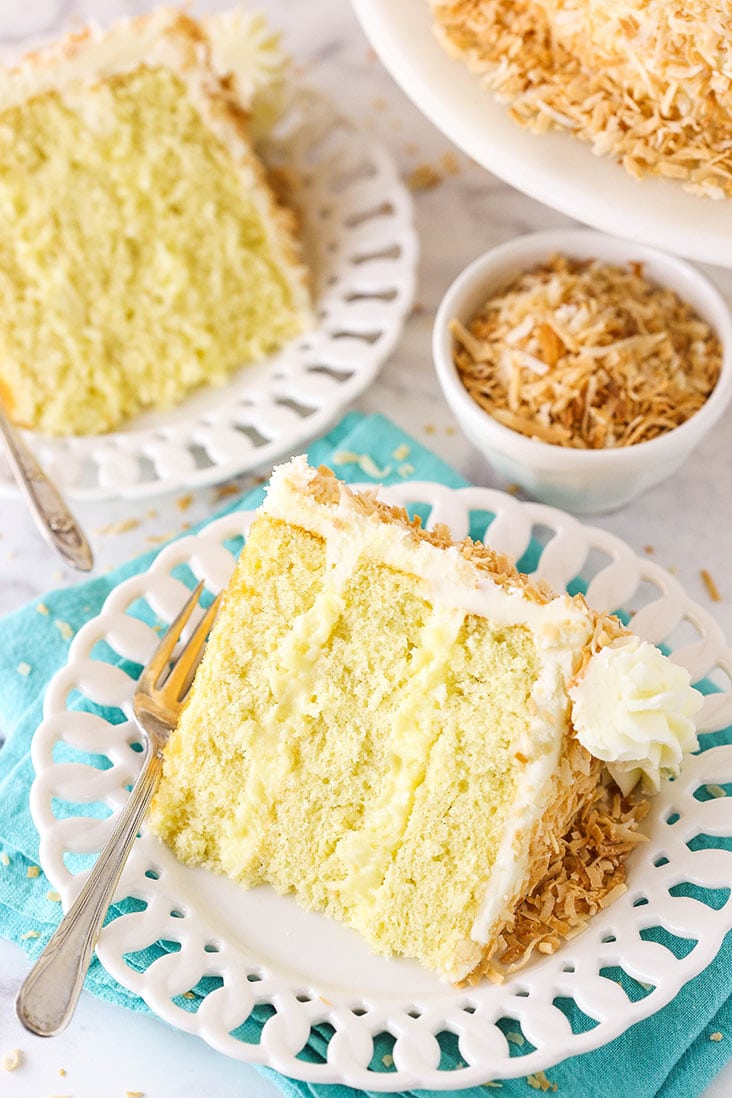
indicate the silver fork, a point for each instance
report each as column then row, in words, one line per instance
column 49, row 994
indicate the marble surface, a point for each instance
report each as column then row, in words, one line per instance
column 685, row 523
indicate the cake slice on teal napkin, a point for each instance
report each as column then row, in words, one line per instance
column 672, row 1054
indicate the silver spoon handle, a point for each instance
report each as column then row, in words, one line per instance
column 51, row 514
column 49, row 994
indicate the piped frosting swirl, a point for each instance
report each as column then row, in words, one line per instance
column 633, row 708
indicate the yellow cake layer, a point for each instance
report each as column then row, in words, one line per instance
column 140, row 253
column 343, row 741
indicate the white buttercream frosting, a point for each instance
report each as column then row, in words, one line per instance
column 633, row 708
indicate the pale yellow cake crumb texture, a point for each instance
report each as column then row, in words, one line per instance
column 142, row 254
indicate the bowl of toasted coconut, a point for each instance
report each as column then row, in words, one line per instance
column 585, row 367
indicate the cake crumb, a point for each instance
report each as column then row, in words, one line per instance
column 134, row 1094
column 716, row 791
column 120, row 527
column 324, row 1000
column 225, row 490
column 4, row 858
column 184, row 502
column 53, row 896
column 449, row 163
column 24, row 669
column 387, row 1060
column 28, row 935
column 423, row 178
column 452, row 430
column 64, row 629
column 515, row 1038
column 62, row 1072
column 32, row 871
column 539, row 1081
column 429, row 428
column 41, row 608
column 401, row 453
column 513, row 489
column 712, row 589
column 716, row 1036
column 378, row 103
column 648, row 549
column 188, row 995
column 12, row 1060
column 492, row 1084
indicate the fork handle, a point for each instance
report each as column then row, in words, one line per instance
column 49, row 994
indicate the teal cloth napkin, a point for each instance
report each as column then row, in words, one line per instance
column 673, row 1054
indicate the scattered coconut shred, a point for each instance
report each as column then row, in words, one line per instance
column 649, row 87
column 584, row 354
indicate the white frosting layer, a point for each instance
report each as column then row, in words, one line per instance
column 633, row 709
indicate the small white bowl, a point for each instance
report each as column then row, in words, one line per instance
column 584, row 481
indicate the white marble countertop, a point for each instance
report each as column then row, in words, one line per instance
column 686, row 523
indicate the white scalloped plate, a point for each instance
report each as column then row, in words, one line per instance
column 554, row 168
column 262, row 949
column 361, row 249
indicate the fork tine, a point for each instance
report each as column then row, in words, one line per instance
column 163, row 654
column 181, row 676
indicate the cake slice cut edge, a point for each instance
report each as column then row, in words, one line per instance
column 381, row 726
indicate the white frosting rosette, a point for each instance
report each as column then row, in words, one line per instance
column 633, row 708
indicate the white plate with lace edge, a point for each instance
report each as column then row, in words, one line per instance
column 242, row 951
column 361, row 249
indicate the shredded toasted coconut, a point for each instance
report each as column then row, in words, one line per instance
column 650, row 89
column 587, row 355
column 539, row 1081
column 712, row 589
column 586, row 873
